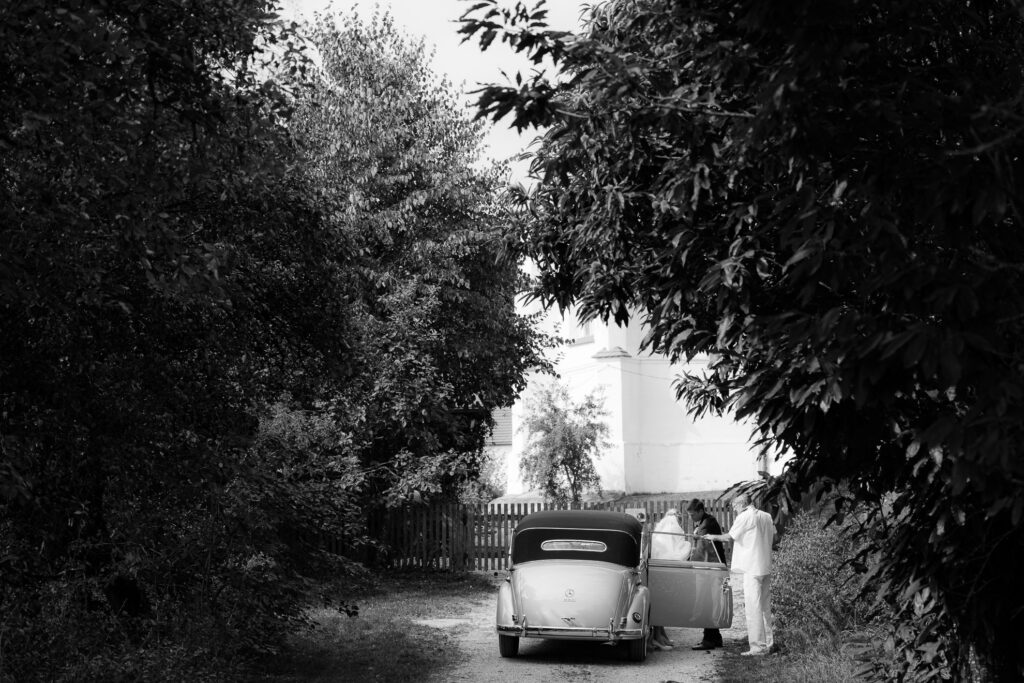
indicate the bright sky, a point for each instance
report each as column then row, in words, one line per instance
column 464, row 64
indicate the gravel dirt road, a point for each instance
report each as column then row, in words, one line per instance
column 540, row 661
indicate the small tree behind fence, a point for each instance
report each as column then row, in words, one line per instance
column 458, row 537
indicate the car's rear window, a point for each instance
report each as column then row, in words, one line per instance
column 574, row 544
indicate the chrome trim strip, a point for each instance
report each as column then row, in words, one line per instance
column 653, row 564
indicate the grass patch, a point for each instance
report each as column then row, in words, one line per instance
column 382, row 643
column 823, row 625
column 826, row 630
column 823, row 663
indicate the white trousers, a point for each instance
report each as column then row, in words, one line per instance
column 757, row 602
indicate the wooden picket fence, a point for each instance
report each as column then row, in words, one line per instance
column 460, row 537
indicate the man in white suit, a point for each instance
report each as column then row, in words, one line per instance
column 752, row 535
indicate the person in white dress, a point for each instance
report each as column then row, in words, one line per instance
column 668, row 543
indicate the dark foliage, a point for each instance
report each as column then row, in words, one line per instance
column 439, row 342
column 822, row 199
column 187, row 341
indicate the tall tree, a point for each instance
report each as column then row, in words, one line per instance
column 822, row 197
column 397, row 153
column 563, row 439
column 162, row 283
column 215, row 339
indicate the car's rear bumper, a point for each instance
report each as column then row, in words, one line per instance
column 571, row 632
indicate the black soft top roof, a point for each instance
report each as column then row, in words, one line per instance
column 582, row 519
column 618, row 536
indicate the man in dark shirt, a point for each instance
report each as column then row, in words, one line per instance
column 706, row 551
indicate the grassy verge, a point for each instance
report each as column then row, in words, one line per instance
column 382, row 643
column 823, row 624
column 823, row 662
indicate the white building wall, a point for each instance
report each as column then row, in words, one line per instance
column 655, row 446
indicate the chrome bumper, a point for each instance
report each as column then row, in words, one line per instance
column 571, row 632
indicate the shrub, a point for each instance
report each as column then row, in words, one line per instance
column 222, row 585
column 814, row 589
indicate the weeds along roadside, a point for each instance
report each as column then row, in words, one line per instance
column 824, row 631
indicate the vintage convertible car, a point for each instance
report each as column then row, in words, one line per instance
column 588, row 575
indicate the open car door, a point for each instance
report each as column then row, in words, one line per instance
column 689, row 593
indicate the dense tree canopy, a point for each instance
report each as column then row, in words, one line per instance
column 441, row 344
column 146, row 247
column 823, row 198
column 239, row 297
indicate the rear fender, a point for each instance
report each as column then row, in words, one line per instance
column 506, row 607
column 639, row 605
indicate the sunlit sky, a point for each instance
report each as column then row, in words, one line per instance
column 464, row 65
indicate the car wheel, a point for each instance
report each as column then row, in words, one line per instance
column 508, row 646
column 637, row 649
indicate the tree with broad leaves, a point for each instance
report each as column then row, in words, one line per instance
column 563, row 438
column 211, row 345
column 165, row 300
column 440, row 343
column 822, row 198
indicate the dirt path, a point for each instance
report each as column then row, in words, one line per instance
column 540, row 661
